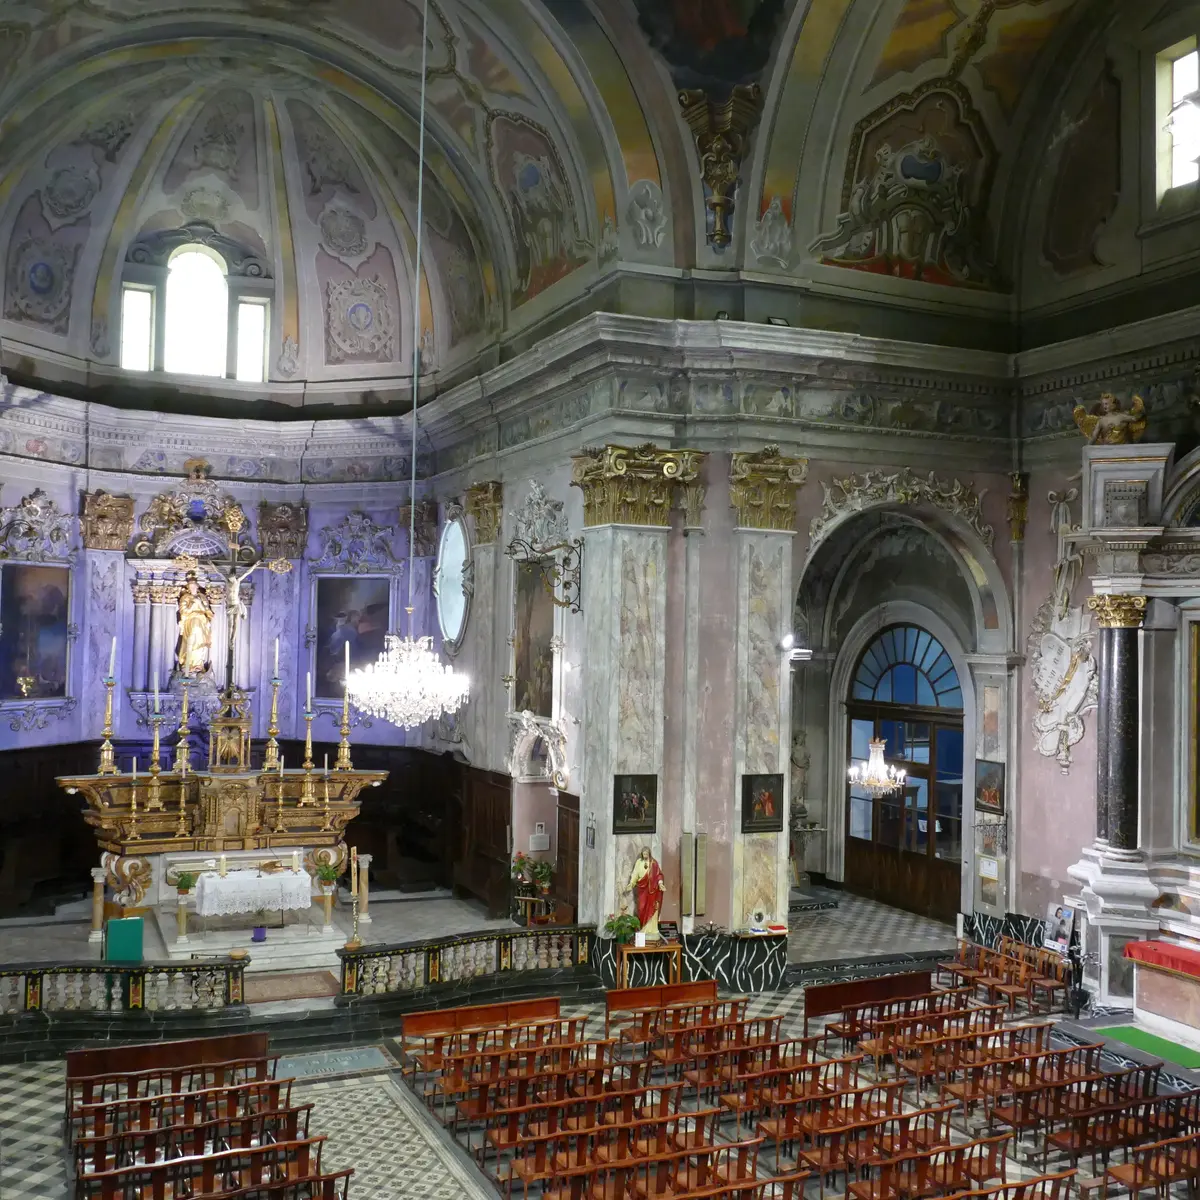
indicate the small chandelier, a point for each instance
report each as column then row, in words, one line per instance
column 877, row 777
column 409, row 684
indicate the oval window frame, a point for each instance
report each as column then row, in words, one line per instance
column 452, row 645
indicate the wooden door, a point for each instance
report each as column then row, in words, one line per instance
column 566, row 860
column 481, row 868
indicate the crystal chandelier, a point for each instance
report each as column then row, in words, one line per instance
column 877, row 777
column 409, row 684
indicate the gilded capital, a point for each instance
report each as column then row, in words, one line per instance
column 485, row 503
column 624, row 485
column 763, row 486
column 1018, row 506
column 107, row 521
column 1118, row 612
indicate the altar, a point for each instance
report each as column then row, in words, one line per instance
column 220, row 895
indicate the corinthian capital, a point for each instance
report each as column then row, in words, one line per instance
column 625, row 485
column 763, row 487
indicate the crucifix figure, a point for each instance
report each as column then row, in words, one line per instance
column 234, row 573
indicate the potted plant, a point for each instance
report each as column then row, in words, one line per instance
column 621, row 927
column 184, row 882
column 260, row 931
column 328, row 874
column 541, row 872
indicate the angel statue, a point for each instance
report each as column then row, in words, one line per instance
column 1110, row 424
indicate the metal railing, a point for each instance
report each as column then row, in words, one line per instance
column 437, row 962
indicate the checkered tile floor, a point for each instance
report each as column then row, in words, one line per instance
column 859, row 926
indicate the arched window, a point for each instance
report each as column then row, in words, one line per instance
column 197, row 313
column 197, row 308
column 904, row 847
column 907, row 665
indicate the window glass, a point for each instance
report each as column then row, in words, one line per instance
column 949, row 822
column 891, row 821
column 907, row 740
column 916, row 836
column 1185, row 120
column 907, row 665
column 137, row 328
column 197, row 314
column 861, row 733
column 251, row 341
column 862, row 809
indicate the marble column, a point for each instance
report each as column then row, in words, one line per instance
column 489, row 700
column 1118, row 738
column 364, row 889
column 762, row 493
column 163, row 597
column 141, row 633
column 627, row 498
column 96, row 934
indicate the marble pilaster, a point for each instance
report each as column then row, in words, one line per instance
column 627, row 503
column 489, row 701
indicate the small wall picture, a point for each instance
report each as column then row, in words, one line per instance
column 989, row 786
column 762, row 803
column 635, row 803
column 1060, row 922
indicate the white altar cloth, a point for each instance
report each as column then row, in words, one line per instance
column 248, row 891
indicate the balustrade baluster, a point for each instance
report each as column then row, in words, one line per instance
column 117, row 1000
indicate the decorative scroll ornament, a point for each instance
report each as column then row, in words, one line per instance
column 485, row 503
column 357, row 546
column 1064, row 678
column 195, row 519
column 542, row 540
column 288, row 362
column 130, row 878
column 107, row 521
column 1110, row 424
column 1118, row 612
column 360, row 320
column 856, row 493
column 40, row 279
column 36, row 530
column 1018, row 506
column 721, row 131
column 427, row 527
column 282, row 529
column 36, row 714
column 631, row 486
column 155, row 249
column 763, row 486
column 526, row 730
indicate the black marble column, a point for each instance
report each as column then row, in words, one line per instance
column 1117, row 734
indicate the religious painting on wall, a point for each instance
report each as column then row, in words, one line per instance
column 349, row 611
column 635, row 803
column 989, row 786
column 762, row 803
column 533, row 651
column 33, row 631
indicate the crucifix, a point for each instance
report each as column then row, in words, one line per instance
column 235, row 573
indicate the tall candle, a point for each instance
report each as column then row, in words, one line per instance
column 347, row 663
column 156, row 691
column 354, row 870
column 295, row 860
column 276, row 658
column 112, row 659
column 308, row 684
column 327, row 764
column 281, row 766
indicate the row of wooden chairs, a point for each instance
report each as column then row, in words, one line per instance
column 1013, row 971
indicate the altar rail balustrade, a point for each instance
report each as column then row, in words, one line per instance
column 165, row 988
column 416, row 966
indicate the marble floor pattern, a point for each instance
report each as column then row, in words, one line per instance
column 860, row 927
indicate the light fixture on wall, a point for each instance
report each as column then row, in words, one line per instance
column 409, row 684
column 877, row 777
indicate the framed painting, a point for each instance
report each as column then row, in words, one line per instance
column 635, row 803
column 762, row 803
column 989, row 786
column 349, row 610
column 34, row 634
column 533, row 638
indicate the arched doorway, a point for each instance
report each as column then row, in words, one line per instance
column 904, row 848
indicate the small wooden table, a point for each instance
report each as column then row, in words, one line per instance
column 674, row 965
column 532, row 902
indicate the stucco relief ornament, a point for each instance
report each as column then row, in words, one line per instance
column 194, row 518
column 282, row 529
column 1110, row 424
column 289, row 357
column 343, row 233
column 68, row 194
column 36, row 530
column 205, row 204
column 39, row 282
column 107, row 521
column 359, row 320
column 540, row 522
column 357, row 546
column 610, row 244
column 1064, row 678
column 647, row 214
column 857, row 493
column 772, row 241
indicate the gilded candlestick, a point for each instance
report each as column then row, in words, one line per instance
column 182, row 748
column 343, row 754
column 154, row 800
column 308, row 720
column 108, row 763
column 326, row 825
column 134, row 835
column 307, row 793
column 279, row 825
column 271, row 757
column 181, row 829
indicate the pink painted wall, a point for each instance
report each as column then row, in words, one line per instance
column 534, row 802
